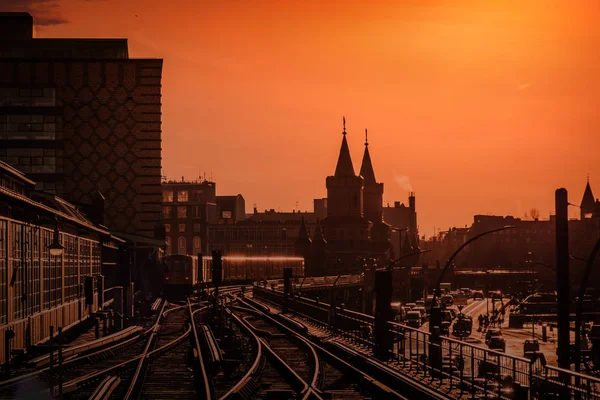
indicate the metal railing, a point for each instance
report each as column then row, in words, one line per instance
column 468, row 367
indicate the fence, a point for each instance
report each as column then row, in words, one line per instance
column 472, row 369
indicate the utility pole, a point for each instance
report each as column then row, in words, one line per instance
column 562, row 277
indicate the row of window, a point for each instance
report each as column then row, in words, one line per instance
column 182, row 212
column 27, row 97
column 182, row 245
column 183, row 196
column 181, row 228
column 32, row 268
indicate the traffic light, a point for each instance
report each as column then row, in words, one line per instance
column 217, row 268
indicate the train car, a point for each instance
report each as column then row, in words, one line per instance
column 180, row 274
column 237, row 269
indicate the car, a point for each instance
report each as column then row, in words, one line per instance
column 413, row 319
column 530, row 347
column 447, row 299
column 422, row 310
column 478, row 295
column 411, row 305
column 420, row 303
column 466, row 291
column 497, row 343
column 492, row 333
column 496, row 295
column 445, row 329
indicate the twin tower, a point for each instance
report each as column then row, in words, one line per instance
column 353, row 229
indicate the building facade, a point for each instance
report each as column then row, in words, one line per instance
column 38, row 289
column 79, row 115
column 187, row 209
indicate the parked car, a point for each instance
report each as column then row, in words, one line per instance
column 497, row 343
column 411, row 305
column 478, row 295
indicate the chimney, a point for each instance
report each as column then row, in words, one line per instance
column 16, row 26
column 397, row 204
column 411, row 201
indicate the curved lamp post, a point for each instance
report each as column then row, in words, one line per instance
column 414, row 253
column 436, row 292
column 579, row 304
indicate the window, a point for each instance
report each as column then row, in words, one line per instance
column 181, row 227
column 226, row 214
column 167, row 228
column 182, row 212
column 167, row 212
column 182, row 196
column 197, row 228
column 85, row 257
column 3, row 272
column 71, row 267
column 197, row 211
column 196, row 243
column 96, row 267
column 181, row 245
column 199, row 196
column 167, row 196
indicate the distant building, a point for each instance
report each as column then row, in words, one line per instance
column 231, row 209
column 254, row 237
column 529, row 247
column 188, row 207
column 79, row 115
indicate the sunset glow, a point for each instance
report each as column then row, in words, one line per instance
column 477, row 106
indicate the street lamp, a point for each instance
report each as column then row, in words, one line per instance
column 400, row 230
column 437, row 291
column 56, row 249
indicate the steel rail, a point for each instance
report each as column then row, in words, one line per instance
column 375, row 384
column 203, row 388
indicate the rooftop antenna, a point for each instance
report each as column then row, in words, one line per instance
column 297, row 205
column 344, row 125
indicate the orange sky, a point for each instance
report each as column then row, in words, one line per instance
column 486, row 106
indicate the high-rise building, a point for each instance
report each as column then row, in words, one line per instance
column 79, row 115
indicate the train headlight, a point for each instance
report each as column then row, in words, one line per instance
column 187, row 278
column 167, row 278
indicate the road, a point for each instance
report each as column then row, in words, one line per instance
column 514, row 337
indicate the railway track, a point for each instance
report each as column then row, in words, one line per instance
column 326, row 374
column 165, row 370
column 41, row 382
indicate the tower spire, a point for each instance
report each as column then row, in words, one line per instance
column 344, row 165
column 366, row 169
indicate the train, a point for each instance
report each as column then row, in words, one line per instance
column 181, row 273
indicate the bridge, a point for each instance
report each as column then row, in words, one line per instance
column 466, row 370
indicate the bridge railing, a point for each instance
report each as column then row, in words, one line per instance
column 465, row 365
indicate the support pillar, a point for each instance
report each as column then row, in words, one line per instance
column 287, row 288
column 383, row 314
column 562, row 277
